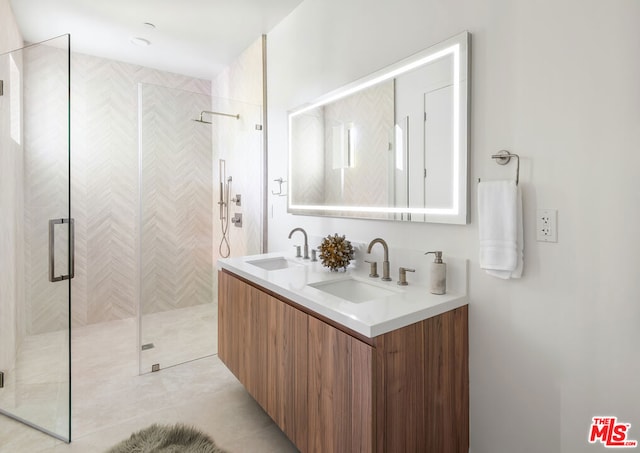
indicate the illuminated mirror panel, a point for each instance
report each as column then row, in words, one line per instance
column 390, row 146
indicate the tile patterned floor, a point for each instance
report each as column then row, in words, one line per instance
column 110, row 400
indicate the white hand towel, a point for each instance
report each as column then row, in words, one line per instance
column 500, row 228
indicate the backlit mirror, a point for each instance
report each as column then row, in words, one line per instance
column 391, row 146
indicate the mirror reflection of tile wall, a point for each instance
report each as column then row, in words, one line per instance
column 370, row 113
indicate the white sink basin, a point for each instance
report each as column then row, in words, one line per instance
column 356, row 291
column 274, row 264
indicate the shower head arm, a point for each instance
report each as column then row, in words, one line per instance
column 236, row 116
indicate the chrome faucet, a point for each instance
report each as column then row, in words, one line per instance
column 385, row 263
column 306, row 244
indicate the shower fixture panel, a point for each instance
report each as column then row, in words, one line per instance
column 237, row 220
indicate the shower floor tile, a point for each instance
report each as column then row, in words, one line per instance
column 179, row 335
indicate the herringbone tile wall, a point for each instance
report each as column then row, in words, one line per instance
column 309, row 138
column 45, row 117
column 240, row 144
column 176, row 200
column 104, row 178
column 104, row 181
column 371, row 113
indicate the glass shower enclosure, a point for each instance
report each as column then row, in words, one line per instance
column 185, row 138
column 176, row 293
column 36, row 236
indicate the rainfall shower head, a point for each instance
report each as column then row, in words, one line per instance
column 200, row 120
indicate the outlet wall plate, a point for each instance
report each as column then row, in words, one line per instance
column 547, row 225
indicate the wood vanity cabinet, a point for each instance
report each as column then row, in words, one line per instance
column 333, row 390
column 270, row 364
column 340, row 392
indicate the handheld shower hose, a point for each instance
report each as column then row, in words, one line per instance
column 225, row 188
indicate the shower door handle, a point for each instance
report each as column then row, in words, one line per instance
column 52, row 250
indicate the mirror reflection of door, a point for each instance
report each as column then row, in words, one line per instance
column 438, row 136
column 424, row 112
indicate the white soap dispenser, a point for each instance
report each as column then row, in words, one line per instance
column 438, row 274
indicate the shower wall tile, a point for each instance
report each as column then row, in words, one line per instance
column 111, row 189
column 176, row 188
column 45, row 183
column 104, row 180
column 241, row 145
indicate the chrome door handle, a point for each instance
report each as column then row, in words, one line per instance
column 52, row 265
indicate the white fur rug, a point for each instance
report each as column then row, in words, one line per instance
column 167, row 439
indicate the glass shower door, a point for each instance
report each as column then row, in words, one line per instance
column 177, row 310
column 36, row 237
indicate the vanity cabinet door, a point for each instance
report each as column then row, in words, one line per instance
column 423, row 386
column 232, row 309
column 340, row 391
column 263, row 341
column 243, row 332
column 286, row 372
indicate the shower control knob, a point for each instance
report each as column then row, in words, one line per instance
column 237, row 219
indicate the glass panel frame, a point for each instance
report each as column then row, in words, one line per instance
column 183, row 136
column 176, row 282
column 36, row 350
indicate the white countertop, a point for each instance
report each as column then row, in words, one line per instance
column 405, row 306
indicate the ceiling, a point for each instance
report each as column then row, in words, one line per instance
column 198, row 38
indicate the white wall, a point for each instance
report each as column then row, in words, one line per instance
column 10, row 37
column 559, row 83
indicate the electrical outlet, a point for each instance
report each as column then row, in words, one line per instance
column 547, row 225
